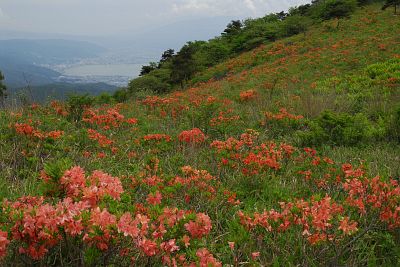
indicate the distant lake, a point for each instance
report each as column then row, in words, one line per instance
column 127, row 70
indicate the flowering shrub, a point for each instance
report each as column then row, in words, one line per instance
column 28, row 130
column 102, row 140
column 157, row 137
column 194, row 136
column 38, row 226
column 251, row 159
column 281, row 115
column 110, row 118
column 248, row 95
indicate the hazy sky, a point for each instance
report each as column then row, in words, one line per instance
column 105, row 17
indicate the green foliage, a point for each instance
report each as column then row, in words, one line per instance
column 296, row 24
column 337, row 129
column 376, row 84
column 147, row 69
column 183, row 64
column 211, row 53
column 394, row 125
column 104, row 98
column 55, row 169
column 385, row 71
column 234, row 27
column 149, row 83
column 330, row 9
column 76, row 105
column 121, row 95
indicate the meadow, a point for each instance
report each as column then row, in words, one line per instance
column 287, row 155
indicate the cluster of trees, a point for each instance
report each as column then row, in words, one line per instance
column 176, row 69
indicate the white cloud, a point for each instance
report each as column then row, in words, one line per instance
column 110, row 16
column 250, row 5
column 243, row 8
column 194, row 6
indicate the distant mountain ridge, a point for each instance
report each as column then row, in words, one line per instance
column 26, row 62
column 48, row 51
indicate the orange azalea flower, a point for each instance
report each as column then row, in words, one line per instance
column 157, row 137
column 248, row 95
column 195, row 136
column 154, row 199
column 348, row 227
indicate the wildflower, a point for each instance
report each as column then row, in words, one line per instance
column 154, row 199
column 255, row 255
column 200, row 227
column 194, row 136
column 157, row 137
column 3, row 243
column 206, row 259
column 169, row 246
column 186, row 240
column 73, row 180
column 348, row 227
column 248, row 95
column 101, row 139
column 132, row 121
column 149, row 247
column 55, row 134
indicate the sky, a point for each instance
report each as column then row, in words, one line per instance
column 113, row 17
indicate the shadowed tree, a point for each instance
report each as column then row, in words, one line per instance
column 167, row 55
column 330, row 9
column 183, row 64
column 389, row 3
column 233, row 28
column 148, row 68
column 3, row 90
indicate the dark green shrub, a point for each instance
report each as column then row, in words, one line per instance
column 148, row 82
column 393, row 130
column 121, row 95
column 296, row 24
column 76, row 104
column 337, row 129
column 330, row 9
column 104, row 98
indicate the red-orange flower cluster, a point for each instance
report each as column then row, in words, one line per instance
column 194, row 136
column 248, row 95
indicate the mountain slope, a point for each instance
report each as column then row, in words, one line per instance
column 283, row 156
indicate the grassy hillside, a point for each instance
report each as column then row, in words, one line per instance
column 287, row 155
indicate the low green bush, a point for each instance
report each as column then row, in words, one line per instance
column 148, row 82
column 393, row 129
column 338, row 129
column 76, row 105
column 330, row 9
